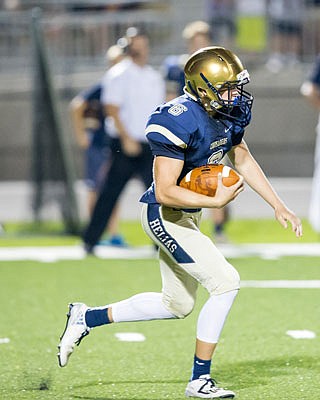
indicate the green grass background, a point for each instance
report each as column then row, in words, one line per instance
column 255, row 357
column 238, row 231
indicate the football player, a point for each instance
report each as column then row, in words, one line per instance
column 196, row 34
column 196, row 128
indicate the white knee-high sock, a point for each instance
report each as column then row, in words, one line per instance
column 141, row 307
column 213, row 315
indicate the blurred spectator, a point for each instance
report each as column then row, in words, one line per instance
column 285, row 24
column 131, row 90
column 87, row 115
column 196, row 34
column 311, row 90
column 311, row 29
column 11, row 5
column 221, row 17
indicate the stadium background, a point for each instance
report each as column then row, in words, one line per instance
column 282, row 133
column 41, row 271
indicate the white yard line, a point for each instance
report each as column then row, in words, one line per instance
column 301, row 334
column 130, row 337
column 56, row 253
column 76, row 252
column 270, row 250
column 281, row 284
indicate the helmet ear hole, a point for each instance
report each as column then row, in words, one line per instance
column 202, row 92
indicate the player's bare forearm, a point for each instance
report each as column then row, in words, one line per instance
column 175, row 196
column 245, row 163
column 166, row 173
column 248, row 167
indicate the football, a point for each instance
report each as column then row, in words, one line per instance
column 204, row 180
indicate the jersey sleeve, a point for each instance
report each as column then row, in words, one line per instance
column 169, row 135
column 237, row 135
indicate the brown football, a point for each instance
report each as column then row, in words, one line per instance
column 204, row 180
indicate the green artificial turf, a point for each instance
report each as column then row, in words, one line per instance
column 255, row 357
column 238, row 231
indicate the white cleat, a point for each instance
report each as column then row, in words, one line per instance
column 76, row 329
column 205, row 388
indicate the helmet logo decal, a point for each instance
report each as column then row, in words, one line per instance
column 177, row 109
column 243, row 77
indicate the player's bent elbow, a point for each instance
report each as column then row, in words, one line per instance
column 158, row 197
column 165, row 197
column 161, row 197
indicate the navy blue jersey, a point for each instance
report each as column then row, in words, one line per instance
column 315, row 76
column 182, row 129
column 95, row 113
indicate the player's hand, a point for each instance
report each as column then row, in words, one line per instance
column 225, row 194
column 284, row 215
column 130, row 147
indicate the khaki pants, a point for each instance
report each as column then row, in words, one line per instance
column 187, row 257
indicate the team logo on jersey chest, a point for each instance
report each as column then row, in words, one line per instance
column 218, row 143
column 177, row 109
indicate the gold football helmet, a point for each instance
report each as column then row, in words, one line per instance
column 213, row 70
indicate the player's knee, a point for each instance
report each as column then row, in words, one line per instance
column 180, row 307
column 233, row 279
column 229, row 281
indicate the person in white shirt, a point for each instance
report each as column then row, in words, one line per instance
column 131, row 91
column 87, row 117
